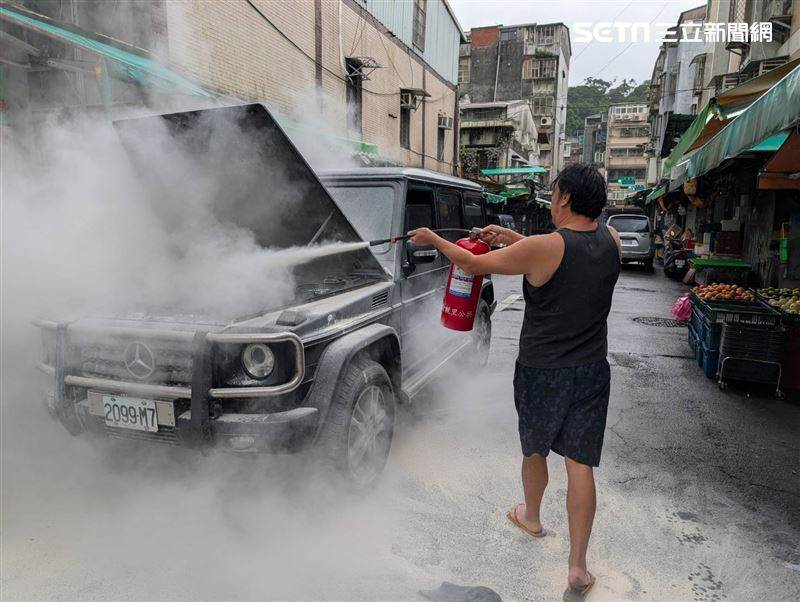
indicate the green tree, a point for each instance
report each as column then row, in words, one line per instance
column 595, row 95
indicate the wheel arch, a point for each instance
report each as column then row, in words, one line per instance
column 377, row 341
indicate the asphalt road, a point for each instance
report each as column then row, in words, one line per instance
column 699, row 495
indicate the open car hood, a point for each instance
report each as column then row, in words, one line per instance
column 263, row 181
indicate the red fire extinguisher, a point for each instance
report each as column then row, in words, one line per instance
column 463, row 291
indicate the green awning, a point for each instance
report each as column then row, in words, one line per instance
column 121, row 63
column 510, row 171
column 776, row 110
column 656, row 194
column 494, row 199
column 770, row 145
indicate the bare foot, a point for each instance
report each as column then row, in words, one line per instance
column 579, row 578
column 530, row 522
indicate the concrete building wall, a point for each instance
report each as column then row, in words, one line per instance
column 229, row 47
column 442, row 34
column 497, row 65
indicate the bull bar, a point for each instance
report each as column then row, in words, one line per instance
column 200, row 393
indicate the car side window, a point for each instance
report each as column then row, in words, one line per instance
column 420, row 209
column 421, row 213
column 449, row 207
column 473, row 211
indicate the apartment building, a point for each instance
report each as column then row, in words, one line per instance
column 625, row 159
column 381, row 72
column 595, row 136
column 497, row 135
column 728, row 63
column 522, row 62
column 676, row 87
column 573, row 148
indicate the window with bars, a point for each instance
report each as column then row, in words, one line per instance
column 509, row 35
column 545, row 34
column 538, row 68
column 440, row 138
column 543, row 105
column 354, row 94
column 405, row 127
column 699, row 72
column 463, row 70
column 418, row 28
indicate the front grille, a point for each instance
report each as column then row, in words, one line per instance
column 163, row 435
column 162, row 362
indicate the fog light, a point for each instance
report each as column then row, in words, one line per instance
column 241, row 442
column 258, row 360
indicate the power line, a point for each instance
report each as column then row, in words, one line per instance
column 619, row 54
column 575, row 58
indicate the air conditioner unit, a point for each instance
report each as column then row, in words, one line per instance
column 445, row 122
column 546, row 121
column 407, row 100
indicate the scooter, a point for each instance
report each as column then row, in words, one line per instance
column 676, row 262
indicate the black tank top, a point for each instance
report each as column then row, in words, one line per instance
column 565, row 318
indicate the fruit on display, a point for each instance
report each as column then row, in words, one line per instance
column 777, row 293
column 723, row 292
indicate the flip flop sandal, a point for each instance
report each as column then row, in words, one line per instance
column 576, row 594
column 511, row 514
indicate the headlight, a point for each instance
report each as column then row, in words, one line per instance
column 258, row 360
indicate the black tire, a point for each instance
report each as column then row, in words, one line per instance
column 357, row 455
column 648, row 265
column 481, row 336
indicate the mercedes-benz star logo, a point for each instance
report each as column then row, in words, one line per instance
column 139, row 360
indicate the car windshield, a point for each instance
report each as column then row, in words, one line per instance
column 629, row 223
column 369, row 208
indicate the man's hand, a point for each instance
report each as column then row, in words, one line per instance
column 497, row 235
column 423, row 236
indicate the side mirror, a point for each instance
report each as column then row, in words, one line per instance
column 420, row 254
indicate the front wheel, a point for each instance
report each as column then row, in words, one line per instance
column 357, row 436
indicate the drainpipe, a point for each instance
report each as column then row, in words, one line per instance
column 424, row 71
column 456, row 126
column 497, row 69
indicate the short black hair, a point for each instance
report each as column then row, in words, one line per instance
column 586, row 188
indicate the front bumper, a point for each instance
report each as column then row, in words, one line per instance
column 198, row 416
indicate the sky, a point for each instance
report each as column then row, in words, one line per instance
column 607, row 60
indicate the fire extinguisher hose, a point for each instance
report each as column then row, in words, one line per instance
column 393, row 239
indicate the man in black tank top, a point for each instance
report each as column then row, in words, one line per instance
column 562, row 378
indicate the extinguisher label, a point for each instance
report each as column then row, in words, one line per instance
column 461, row 283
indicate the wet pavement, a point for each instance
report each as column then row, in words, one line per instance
column 698, row 495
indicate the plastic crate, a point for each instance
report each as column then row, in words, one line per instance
column 752, row 342
column 709, row 361
column 709, row 333
column 750, row 371
column 791, row 354
column 693, row 342
column 733, row 312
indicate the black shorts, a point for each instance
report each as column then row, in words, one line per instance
column 563, row 409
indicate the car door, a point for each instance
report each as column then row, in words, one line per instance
column 422, row 285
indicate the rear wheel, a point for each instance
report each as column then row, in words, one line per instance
column 648, row 264
column 357, row 436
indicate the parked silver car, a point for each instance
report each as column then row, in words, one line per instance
column 636, row 238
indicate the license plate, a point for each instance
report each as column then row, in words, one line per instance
column 628, row 243
column 679, row 263
column 130, row 413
